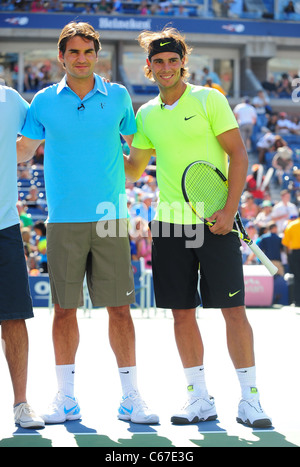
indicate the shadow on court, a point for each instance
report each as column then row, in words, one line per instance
column 149, row 438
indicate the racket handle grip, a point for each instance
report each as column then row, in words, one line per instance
column 263, row 258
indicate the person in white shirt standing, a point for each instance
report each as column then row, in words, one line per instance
column 283, row 211
column 246, row 117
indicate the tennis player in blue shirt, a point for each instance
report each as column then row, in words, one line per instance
column 15, row 300
column 81, row 119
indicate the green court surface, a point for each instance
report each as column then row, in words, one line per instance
column 162, row 385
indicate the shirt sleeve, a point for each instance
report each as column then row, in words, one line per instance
column 140, row 140
column 219, row 113
column 128, row 124
column 33, row 128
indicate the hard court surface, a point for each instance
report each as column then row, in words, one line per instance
column 161, row 383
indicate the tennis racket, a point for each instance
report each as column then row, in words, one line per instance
column 203, row 183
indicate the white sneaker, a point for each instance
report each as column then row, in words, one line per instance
column 26, row 417
column 133, row 408
column 251, row 414
column 196, row 410
column 63, row 408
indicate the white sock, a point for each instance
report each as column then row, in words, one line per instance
column 65, row 379
column 195, row 377
column 247, row 379
column 128, row 376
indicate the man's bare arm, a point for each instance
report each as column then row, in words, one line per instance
column 233, row 145
column 136, row 162
column 26, row 148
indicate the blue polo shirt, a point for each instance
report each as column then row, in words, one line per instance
column 83, row 162
column 13, row 109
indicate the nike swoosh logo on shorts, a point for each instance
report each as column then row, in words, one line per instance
column 234, row 293
column 129, row 293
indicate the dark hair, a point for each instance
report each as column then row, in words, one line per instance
column 83, row 30
column 41, row 226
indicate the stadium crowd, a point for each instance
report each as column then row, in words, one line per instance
column 284, row 10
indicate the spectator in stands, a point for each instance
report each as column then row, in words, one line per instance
column 208, row 74
column 251, row 184
column 264, row 217
column 30, row 79
column 248, row 256
column 270, row 244
column 27, row 239
column 283, row 163
column 166, row 9
column 265, row 144
column 236, row 9
column 261, row 102
column 25, row 218
column 145, row 208
column 272, row 122
column 154, row 9
column 24, row 171
column 55, row 5
column 41, row 243
column 210, row 84
column 32, row 265
column 291, row 240
column 88, row 9
column 116, row 7
column 249, row 209
column 20, row 5
column 141, row 235
column 294, row 186
column 284, row 87
column 104, row 7
column 289, row 8
column 270, row 86
column 181, row 11
column 284, row 124
column 283, row 211
column 33, row 200
column 246, row 117
column 295, row 125
column 37, row 6
column 143, row 8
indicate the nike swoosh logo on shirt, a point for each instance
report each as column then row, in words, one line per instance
column 188, row 118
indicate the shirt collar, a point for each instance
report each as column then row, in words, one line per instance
column 99, row 85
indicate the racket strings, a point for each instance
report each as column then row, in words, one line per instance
column 204, row 185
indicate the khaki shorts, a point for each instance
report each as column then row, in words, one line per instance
column 78, row 249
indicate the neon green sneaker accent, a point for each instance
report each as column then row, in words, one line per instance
column 190, row 388
column 254, row 391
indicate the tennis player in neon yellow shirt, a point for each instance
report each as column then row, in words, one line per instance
column 183, row 124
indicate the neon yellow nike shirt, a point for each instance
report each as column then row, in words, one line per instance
column 181, row 135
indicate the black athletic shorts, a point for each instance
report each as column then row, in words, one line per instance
column 15, row 298
column 178, row 258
